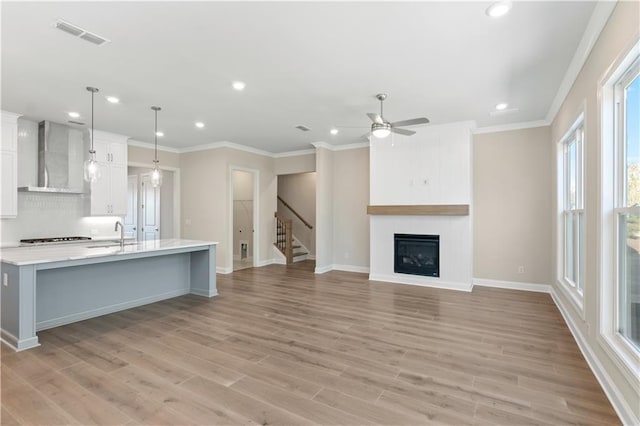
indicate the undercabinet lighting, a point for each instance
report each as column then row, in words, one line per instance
column 502, row 106
column 159, row 134
column 498, row 9
column 334, row 131
column 199, row 124
column 74, row 115
column 238, row 85
column 113, row 99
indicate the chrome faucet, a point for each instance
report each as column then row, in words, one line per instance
column 118, row 223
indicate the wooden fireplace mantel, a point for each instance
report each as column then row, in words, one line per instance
column 420, row 210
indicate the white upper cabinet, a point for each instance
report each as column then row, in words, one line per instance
column 109, row 193
column 9, row 165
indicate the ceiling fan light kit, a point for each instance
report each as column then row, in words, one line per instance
column 381, row 128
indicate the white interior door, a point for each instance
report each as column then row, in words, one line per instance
column 131, row 219
column 150, row 209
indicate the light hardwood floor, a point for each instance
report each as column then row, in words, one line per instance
column 281, row 345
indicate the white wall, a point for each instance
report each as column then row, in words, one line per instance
column 431, row 167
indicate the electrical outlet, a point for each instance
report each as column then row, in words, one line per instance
column 521, row 269
column 5, row 279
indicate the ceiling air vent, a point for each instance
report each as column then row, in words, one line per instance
column 76, row 31
column 303, row 128
column 75, row 122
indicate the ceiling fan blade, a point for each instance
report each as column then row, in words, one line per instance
column 412, row 122
column 403, row 131
column 376, row 118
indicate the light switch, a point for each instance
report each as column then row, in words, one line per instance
column 5, row 279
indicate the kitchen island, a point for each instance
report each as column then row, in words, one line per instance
column 48, row 286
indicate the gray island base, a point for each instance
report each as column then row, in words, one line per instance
column 55, row 285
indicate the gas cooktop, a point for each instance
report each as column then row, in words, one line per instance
column 54, row 240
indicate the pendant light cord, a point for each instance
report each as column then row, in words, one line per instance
column 155, row 135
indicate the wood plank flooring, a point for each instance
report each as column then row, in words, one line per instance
column 281, row 345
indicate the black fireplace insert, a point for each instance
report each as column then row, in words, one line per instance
column 417, row 254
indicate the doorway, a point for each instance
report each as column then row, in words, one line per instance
column 243, row 218
column 149, row 210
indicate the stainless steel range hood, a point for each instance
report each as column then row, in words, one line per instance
column 60, row 159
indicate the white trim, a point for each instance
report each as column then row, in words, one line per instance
column 226, row 144
column 608, row 385
column 422, row 282
column 273, row 261
column 322, row 269
column 256, row 212
column 294, row 153
column 351, row 268
column 147, row 145
column 598, row 20
column 513, row 285
column 511, row 126
column 330, row 147
column 223, row 270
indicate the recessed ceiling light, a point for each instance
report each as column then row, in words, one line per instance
column 501, row 106
column 113, row 99
column 334, row 131
column 239, row 85
column 74, row 115
column 159, row 134
column 498, row 9
column 199, row 124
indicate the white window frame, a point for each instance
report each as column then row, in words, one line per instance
column 574, row 289
column 617, row 346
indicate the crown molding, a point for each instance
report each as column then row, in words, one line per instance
column 330, row 147
column 147, row 145
column 294, row 153
column 511, row 126
column 598, row 20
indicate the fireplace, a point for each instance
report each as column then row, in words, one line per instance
column 417, row 254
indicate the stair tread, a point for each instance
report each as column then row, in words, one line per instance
column 302, row 253
column 295, row 246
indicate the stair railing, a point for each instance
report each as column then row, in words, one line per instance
column 284, row 237
column 284, row 203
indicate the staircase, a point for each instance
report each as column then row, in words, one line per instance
column 285, row 241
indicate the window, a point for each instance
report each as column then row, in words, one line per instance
column 627, row 202
column 619, row 228
column 571, row 203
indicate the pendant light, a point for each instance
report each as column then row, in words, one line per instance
column 91, row 167
column 156, row 174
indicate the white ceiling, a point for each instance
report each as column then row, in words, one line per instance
column 313, row 63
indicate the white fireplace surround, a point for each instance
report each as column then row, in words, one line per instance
column 432, row 167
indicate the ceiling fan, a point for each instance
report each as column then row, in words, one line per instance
column 381, row 128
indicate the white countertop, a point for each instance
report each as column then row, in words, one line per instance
column 84, row 250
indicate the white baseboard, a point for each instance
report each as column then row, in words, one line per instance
column 346, row 268
column 610, row 389
column 275, row 261
column 351, row 268
column 513, row 285
column 323, row 269
column 422, row 282
column 224, row 270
